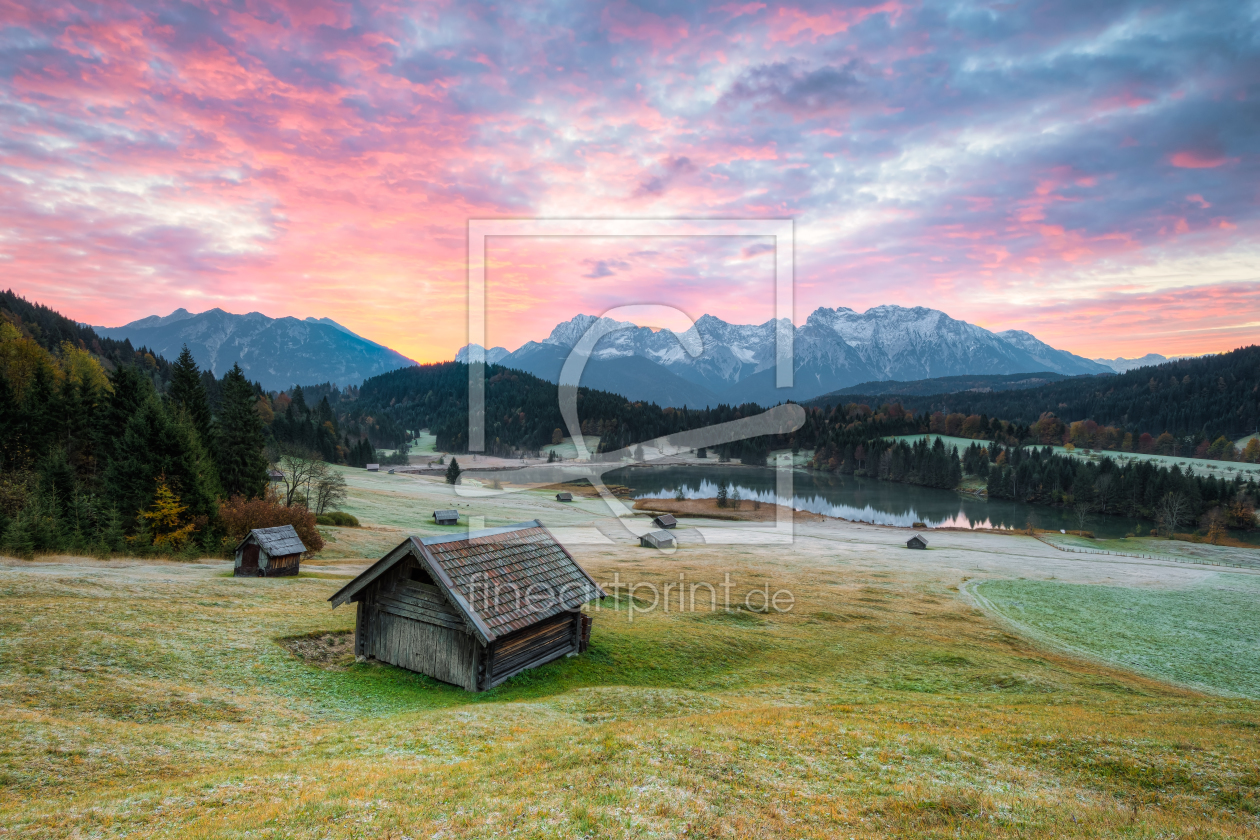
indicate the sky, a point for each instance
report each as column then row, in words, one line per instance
column 1089, row 172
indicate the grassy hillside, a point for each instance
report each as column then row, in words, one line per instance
column 1188, row 636
column 170, row 700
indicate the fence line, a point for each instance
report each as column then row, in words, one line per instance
column 1147, row 556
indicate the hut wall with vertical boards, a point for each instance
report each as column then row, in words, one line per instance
column 451, row 606
column 269, row 552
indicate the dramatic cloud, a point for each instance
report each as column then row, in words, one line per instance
column 1086, row 171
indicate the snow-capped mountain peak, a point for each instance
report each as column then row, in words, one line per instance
column 833, row 349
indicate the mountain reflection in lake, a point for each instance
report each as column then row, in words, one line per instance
column 861, row 499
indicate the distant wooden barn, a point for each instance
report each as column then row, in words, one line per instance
column 473, row 609
column 373, row 467
column 665, row 520
column 917, row 541
column 657, row 539
column 564, row 497
column 446, row 517
column 269, row 552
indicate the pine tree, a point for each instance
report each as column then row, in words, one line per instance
column 238, row 445
column 131, row 388
column 11, row 427
column 187, row 392
column 154, row 444
column 299, row 402
column 42, row 414
column 452, row 472
column 722, row 495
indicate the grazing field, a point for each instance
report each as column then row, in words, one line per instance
column 961, row 443
column 1202, row 466
column 567, row 449
column 1179, row 551
column 1206, row 635
column 152, row 699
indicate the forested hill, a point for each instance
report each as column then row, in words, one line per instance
column 1202, row 397
column 523, row 412
column 50, row 330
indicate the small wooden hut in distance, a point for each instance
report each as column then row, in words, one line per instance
column 446, row 517
column 665, row 520
column 269, row 552
column 657, row 539
column 564, row 497
column 917, row 541
column 472, row 609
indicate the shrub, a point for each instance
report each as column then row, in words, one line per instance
column 239, row 516
column 337, row 517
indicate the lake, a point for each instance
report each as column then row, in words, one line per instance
column 864, row 499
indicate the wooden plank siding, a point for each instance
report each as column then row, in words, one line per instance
column 533, row 646
column 280, row 566
column 417, row 608
column 442, row 653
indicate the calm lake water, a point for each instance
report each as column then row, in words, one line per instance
column 863, row 499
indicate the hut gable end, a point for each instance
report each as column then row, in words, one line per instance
column 500, row 579
column 472, row 609
column 280, row 541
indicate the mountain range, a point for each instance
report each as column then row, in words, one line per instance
column 834, row 349
column 1123, row 365
column 278, row 352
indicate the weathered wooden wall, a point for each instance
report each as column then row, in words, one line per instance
column 405, row 620
column 409, row 623
column 442, row 653
column 533, row 646
column 287, row 565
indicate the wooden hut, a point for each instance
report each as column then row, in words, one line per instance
column 269, row 552
column 917, row 541
column 665, row 520
column 446, row 517
column 373, row 467
column 564, row 497
column 472, row 609
column 657, row 539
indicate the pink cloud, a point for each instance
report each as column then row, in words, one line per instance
column 1199, row 160
column 793, row 25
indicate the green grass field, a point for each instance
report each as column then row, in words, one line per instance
column 961, row 443
column 567, row 450
column 1175, row 550
column 170, row 700
column 1207, row 636
column 1202, row 466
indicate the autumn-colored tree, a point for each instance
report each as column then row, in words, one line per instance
column 82, row 368
column 264, row 411
column 165, row 519
column 1251, row 454
column 557, row 437
column 239, row 516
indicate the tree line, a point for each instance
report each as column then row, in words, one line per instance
column 99, row 455
column 1195, row 402
column 1137, row 488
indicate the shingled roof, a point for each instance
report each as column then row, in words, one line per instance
column 279, row 541
column 516, row 561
